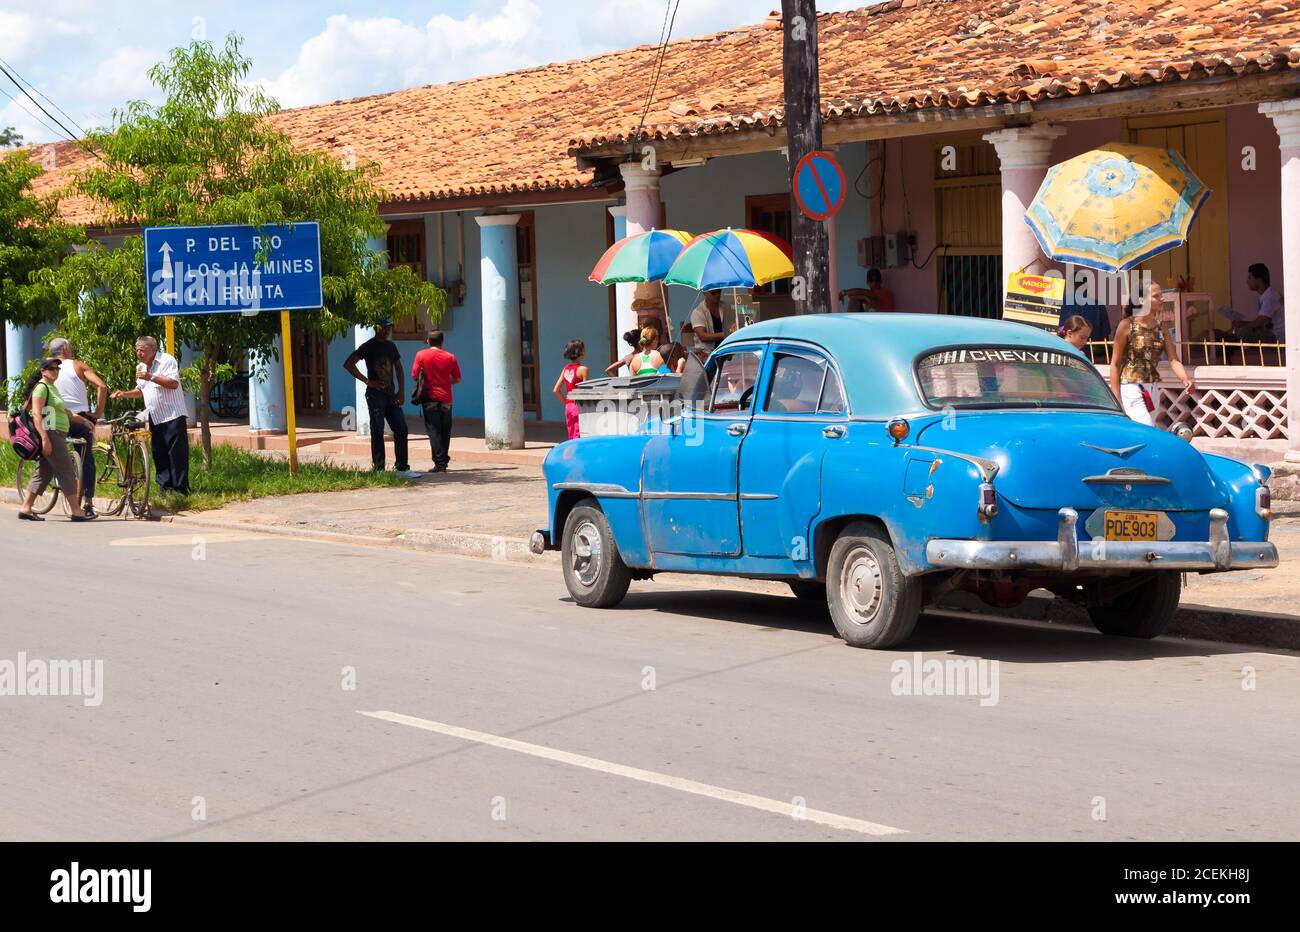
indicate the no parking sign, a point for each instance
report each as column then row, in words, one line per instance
column 818, row 185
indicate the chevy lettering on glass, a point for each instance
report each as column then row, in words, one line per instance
column 232, row 269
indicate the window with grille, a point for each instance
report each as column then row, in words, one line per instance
column 406, row 247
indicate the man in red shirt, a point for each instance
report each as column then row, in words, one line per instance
column 441, row 371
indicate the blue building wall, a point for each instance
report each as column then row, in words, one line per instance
column 570, row 239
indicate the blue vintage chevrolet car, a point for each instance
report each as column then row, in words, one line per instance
column 881, row 461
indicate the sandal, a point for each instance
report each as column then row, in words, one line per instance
column 28, row 516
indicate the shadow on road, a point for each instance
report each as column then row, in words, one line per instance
column 968, row 635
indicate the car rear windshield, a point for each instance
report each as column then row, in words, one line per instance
column 1011, row 377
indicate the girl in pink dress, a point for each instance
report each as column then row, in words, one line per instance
column 571, row 376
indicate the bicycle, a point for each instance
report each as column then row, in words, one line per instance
column 127, row 464
column 53, row 493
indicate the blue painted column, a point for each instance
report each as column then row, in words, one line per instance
column 20, row 346
column 503, row 394
column 266, row 411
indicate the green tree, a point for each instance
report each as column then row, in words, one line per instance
column 32, row 238
column 208, row 155
column 10, row 137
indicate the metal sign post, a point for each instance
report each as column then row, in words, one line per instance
column 170, row 323
column 286, row 346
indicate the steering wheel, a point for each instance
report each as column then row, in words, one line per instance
column 745, row 397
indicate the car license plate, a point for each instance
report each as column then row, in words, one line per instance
column 1132, row 525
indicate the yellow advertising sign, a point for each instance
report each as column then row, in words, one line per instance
column 1034, row 299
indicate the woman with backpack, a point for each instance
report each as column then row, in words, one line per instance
column 49, row 415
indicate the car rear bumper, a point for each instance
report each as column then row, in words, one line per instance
column 1068, row 553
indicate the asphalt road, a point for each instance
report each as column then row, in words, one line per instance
column 497, row 709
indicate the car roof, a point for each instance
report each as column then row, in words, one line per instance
column 875, row 351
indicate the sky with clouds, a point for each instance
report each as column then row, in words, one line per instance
column 90, row 56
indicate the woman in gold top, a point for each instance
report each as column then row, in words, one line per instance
column 1140, row 341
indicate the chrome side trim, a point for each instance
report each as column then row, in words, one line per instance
column 696, row 496
column 599, row 489
column 758, row 496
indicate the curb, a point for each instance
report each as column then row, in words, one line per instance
column 455, row 543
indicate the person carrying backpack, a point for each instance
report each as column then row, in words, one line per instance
column 50, row 417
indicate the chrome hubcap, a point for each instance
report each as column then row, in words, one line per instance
column 585, row 555
column 862, row 586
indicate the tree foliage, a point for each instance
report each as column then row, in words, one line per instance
column 208, row 154
column 32, row 237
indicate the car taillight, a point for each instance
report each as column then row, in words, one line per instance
column 988, row 500
column 1264, row 503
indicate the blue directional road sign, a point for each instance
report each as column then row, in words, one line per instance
column 232, row 269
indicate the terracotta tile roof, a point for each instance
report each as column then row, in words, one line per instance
column 516, row 132
column 906, row 55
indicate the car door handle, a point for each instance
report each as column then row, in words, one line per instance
column 736, row 430
column 833, row 432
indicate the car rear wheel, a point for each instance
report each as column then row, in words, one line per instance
column 1142, row 612
column 872, row 603
column 594, row 572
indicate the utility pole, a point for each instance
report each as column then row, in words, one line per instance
column 803, row 129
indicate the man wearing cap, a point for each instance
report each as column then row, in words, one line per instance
column 384, row 390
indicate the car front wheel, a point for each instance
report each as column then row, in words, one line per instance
column 1143, row 611
column 594, row 572
column 872, row 603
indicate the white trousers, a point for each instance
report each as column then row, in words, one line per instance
column 1130, row 396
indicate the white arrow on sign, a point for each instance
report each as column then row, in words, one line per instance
column 166, row 251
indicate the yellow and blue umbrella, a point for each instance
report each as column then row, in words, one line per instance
column 1116, row 206
column 731, row 259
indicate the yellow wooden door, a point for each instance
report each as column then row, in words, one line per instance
column 1204, row 259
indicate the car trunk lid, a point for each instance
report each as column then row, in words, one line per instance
column 1083, row 459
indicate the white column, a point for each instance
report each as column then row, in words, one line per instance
column 624, row 292
column 503, row 394
column 1025, row 154
column 1286, row 118
column 644, row 212
column 266, row 412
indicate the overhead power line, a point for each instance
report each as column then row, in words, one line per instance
column 44, row 96
column 69, row 133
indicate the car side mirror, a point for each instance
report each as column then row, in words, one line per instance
column 694, row 384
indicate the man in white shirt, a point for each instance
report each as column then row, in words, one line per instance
column 707, row 323
column 158, row 382
column 1269, row 322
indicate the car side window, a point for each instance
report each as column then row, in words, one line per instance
column 796, row 384
column 832, row 400
column 732, row 385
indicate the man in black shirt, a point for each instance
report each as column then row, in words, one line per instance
column 384, row 391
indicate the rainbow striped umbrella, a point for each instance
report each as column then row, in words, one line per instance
column 641, row 257
column 1116, row 206
column 731, row 259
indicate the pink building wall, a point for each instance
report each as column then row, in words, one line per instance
column 1254, row 202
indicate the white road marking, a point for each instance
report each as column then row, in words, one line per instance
column 645, row 776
